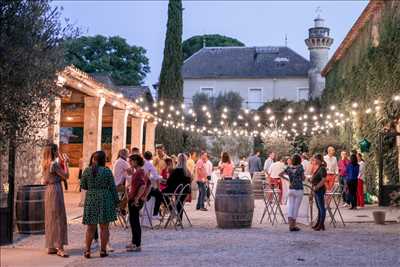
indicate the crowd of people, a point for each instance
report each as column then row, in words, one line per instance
column 136, row 178
column 322, row 172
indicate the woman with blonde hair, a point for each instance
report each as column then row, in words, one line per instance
column 55, row 215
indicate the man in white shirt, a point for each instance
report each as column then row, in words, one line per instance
column 209, row 170
column 274, row 173
column 332, row 168
column 121, row 168
column 155, row 178
column 209, row 167
column 306, row 164
column 269, row 161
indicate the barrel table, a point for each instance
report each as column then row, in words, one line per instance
column 234, row 203
column 30, row 209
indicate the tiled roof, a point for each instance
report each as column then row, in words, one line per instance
column 130, row 92
column 245, row 62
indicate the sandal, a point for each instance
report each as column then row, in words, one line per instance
column 103, row 254
column 51, row 251
column 61, row 253
column 86, row 254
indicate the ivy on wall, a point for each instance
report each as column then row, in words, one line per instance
column 366, row 74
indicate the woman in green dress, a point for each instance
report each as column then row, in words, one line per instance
column 100, row 203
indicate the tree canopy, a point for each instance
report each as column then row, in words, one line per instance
column 31, row 34
column 127, row 64
column 195, row 43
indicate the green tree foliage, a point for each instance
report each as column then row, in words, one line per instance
column 171, row 83
column 195, row 43
column 127, row 65
column 31, row 34
column 31, row 37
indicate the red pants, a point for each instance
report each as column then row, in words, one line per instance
column 330, row 182
column 360, row 193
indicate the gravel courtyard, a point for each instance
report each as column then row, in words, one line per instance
column 357, row 244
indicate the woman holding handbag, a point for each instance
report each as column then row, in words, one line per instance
column 140, row 185
column 56, row 232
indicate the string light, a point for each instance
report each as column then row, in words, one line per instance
column 330, row 119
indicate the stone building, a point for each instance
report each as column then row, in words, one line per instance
column 259, row 74
column 363, row 70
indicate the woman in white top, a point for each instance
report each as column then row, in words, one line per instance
column 274, row 173
column 360, row 181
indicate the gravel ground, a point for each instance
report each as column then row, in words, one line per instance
column 357, row 244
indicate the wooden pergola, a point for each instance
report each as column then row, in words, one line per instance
column 89, row 104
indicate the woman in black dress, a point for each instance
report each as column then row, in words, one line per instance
column 179, row 176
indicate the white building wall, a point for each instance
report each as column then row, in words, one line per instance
column 286, row 88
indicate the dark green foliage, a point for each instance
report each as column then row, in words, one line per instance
column 171, row 83
column 366, row 74
column 300, row 144
column 195, row 43
column 127, row 65
column 31, row 35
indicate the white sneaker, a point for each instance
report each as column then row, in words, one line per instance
column 344, row 205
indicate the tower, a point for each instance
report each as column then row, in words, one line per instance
column 318, row 43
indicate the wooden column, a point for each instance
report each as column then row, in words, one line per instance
column 54, row 127
column 398, row 142
column 119, row 127
column 137, row 133
column 150, row 136
column 92, row 124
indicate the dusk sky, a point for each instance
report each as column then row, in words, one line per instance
column 255, row 23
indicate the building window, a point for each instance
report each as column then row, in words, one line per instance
column 302, row 94
column 254, row 99
column 207, row 90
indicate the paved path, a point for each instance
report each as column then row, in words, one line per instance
column 357, row 244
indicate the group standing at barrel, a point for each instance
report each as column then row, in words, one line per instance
column 137, row 178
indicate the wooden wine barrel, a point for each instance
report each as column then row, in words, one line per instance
column 257, row 184
column 30, row 209
column 234, row 203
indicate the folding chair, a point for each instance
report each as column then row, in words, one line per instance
column 180, row 200
column 272, row 204
column 334, row 197
column 171, row 201
column 122, row 209
column 210, row 188
column 147, row 211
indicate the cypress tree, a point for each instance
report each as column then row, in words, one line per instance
column 171, row 82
